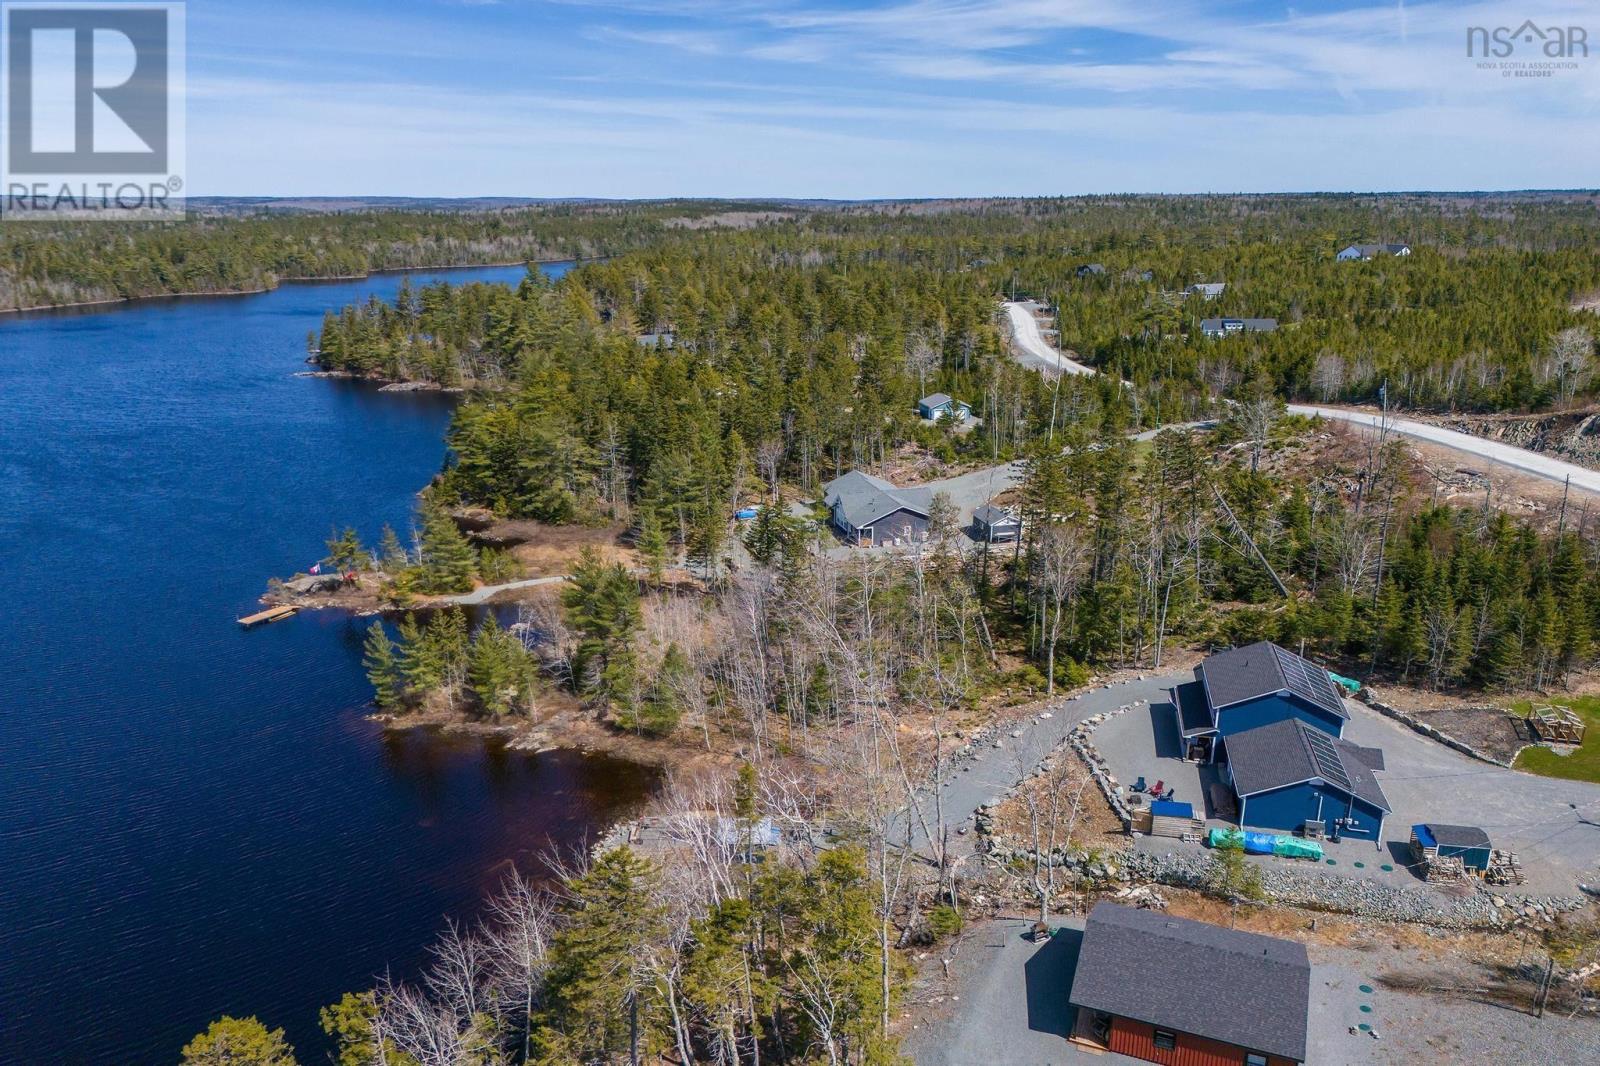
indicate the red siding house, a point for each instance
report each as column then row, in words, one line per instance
column 1184, row 993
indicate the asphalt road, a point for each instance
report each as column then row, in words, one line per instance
column 1033, row 350
column 1491, row 452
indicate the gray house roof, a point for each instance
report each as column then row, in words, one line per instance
column 1244, row 989
column 1091, row 268
column 866, row 499
column 1209, row 289
column 1262, row 669
column 937, row 399
column 1290, row 752
column 1368, row 251
column 990, row 515
column 1246, row 325
column 1457, row 836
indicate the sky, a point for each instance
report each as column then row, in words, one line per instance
column 904, row 98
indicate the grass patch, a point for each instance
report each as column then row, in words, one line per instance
column 1581, row 765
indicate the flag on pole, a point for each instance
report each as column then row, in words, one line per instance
column 317, row 569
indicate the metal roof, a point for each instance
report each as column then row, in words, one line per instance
column 866, row 499
column 1263, row 669
column 991, row 515
column 1244, row 989
column 1290, row 752
column 937, row 399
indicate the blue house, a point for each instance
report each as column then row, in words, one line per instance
column 1244, row 688
column 1289, row 774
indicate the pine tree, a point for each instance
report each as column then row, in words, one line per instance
column 597, row 965
column 391, row 553
column 448, row 561
column 652, row 544
column 498, row 670
column 346, row 553
column 383, row 668
column 232, row 1041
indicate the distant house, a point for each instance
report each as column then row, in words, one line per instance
column 1289, row 774
column 656, row 340
column 995, row 525
column 1091, row 270
column 1208, row 290
column 1243, row 688
column 1172, row 990
column 1364, row 252
column 870, row 511
column 939, row 406
column 1223, row 327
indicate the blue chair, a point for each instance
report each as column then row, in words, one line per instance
column 1139, row 785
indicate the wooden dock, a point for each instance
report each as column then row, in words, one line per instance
column 271, row 614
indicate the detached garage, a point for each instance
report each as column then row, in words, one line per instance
column 1184, row 993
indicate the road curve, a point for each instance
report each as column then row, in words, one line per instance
column 1036, row 351
column 1521, row 459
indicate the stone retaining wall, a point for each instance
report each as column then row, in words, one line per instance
column 1313, row 889
column 1418, row 725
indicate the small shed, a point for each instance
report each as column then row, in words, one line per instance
column 940, row 405
column 995, row 525
column 1467, row 844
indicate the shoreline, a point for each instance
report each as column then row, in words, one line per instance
column 117, row 301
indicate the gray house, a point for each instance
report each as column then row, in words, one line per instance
column 1091, row 270
column 1226, row 327
column 870, row 511
column 995, row 525
column 1364, row 252
column 938, row 405
column 1208, row 290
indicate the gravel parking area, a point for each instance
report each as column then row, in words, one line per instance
column 1553, row 825
column 1007, row 1004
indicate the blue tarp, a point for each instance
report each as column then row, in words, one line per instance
column 1260, row 843
column 1171, row 809
column 745, row 514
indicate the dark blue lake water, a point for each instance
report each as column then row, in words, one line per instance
column 197, row 820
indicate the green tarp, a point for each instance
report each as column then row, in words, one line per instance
column 1295, row 848
column 1224, row 838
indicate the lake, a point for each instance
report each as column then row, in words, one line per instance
column 194, row 819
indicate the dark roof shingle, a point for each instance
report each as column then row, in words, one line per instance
column 1262, row 669
column 1244, row 989
column 1289, row 752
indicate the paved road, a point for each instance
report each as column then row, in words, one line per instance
column 1033, row 350
column 1528, row 462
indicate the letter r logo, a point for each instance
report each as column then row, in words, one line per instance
column 87, row 88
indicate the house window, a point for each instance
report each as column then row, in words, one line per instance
column 1252, row 1059
column 1166, row 1041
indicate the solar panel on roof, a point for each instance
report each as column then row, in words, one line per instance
column 1305, row 680
column 1323, row 753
